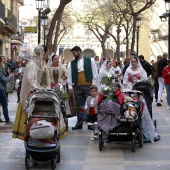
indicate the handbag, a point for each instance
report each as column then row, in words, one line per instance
column 42, row 129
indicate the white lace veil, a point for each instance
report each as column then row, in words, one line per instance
column 49, row 63
column 32, row 74
column 139, row 64
column 103, row 66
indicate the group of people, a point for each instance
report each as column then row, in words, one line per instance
column 83, row 81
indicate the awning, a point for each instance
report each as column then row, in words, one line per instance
column 16, row 42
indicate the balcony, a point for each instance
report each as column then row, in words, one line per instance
column 2, row 13
column 19, row 37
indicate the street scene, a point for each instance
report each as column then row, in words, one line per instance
column 79, row 153
column 85, row 85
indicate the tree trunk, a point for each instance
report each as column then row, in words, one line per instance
column 133, row 35
column 54, row 49
column 56, row 16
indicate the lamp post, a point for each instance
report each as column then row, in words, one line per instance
column 107, row 43
column 44, row 19
column 138, row 21
column 163, row 18
column 39, row 7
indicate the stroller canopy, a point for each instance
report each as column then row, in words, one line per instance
column 44, row 101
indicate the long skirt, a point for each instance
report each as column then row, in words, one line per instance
column 19, row 130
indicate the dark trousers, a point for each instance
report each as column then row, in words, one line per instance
column 18, row 93
column 156, row 88
column 4, row 103
column 81, row 93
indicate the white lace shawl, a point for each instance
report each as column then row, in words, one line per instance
column 101, row 74
column 139, row 70
column 32, row 74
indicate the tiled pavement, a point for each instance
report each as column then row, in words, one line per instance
column 79, row 153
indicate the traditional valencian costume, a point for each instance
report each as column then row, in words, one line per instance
column 131, row 77
column 33, row 79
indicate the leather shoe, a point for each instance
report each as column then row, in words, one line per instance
column 77, row 127
column 159, row 104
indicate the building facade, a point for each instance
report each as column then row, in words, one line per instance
column 11, row 36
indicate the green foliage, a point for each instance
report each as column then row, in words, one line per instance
column 63, row 95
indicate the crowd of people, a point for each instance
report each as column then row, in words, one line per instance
column 82, row 80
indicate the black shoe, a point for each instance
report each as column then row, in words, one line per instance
column 77, row 127
column 159, row 104
column 157, row 138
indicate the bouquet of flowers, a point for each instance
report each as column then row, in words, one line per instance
column 63, row 95
column 80, row 109
column 108, row 87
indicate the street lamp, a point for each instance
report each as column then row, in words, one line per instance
column 44, row 20
column 138, row 22
column 163, row 18
column 39, row 7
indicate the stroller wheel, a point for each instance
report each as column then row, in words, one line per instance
column 58, row 156
column 53, row 164
column 140, row 138
column 133, row 145
column 27, row 161
column 101, row 143
column 155, row 124
column 66, row 122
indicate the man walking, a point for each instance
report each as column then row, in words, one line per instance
column 155, row 76
column 82, row 74
column 161, row 64
column 146, row 66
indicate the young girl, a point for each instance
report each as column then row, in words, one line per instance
column 92, row 108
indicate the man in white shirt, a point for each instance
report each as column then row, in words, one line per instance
column 82, row 73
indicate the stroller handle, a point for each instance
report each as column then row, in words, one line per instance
column 139, row 93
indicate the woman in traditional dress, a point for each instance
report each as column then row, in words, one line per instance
column 58, row 75
column 135, row 73
column 33, row 79
column 105, row 70
column 57, row 71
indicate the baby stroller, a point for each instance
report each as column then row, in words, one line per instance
column 115, row 127
column 43, row 124
column 147, row 90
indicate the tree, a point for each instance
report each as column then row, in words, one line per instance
column 57, row 17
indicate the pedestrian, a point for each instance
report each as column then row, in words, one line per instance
column 161, row 64
column 32, row 79
column 19, row 71
column 82, row 74
column 126, row 65
column 146, row 66
column 91, row 106
column 97, row 62
column 166, row 77
column 155, row 76
column 3, row 99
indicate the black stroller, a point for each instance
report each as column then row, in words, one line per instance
column 147, row 91
column 121, row 129
column 43, row 125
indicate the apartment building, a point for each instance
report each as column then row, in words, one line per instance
column 11, row 36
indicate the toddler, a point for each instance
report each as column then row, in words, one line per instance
column 92, row 109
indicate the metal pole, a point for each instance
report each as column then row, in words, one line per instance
column 169, row 35
column 39, row 26
column 137, row 45
column 44, row 35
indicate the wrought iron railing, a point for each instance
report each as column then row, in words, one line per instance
column 2, row 11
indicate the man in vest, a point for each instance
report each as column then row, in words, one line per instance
column 82, row 73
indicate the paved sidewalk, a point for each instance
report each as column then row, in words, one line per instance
column 79, row 153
